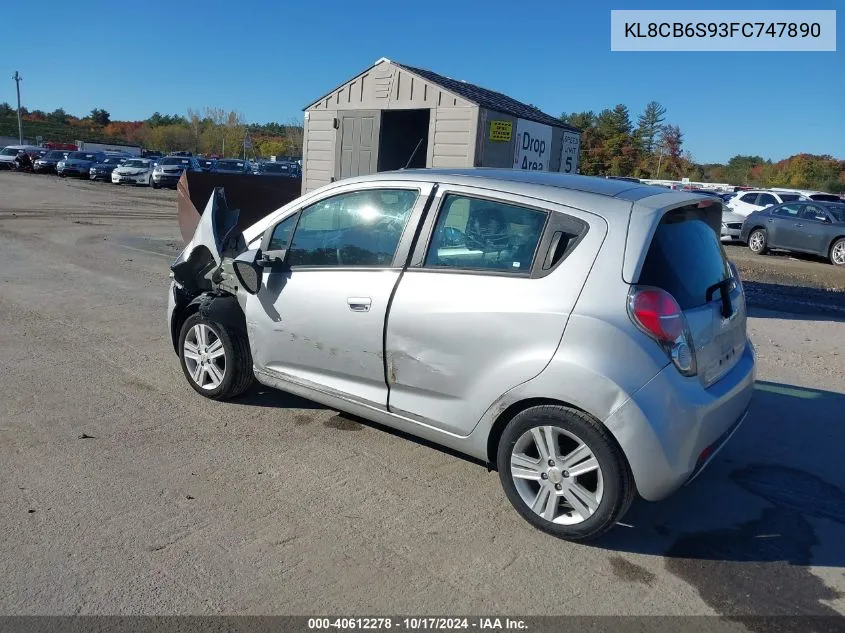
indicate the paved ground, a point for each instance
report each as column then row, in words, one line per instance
column 123, row 491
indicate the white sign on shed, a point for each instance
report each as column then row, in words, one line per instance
column 533, row 145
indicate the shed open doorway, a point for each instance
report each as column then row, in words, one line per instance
column 402, row 132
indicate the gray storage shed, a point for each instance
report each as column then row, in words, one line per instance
column 392, row 116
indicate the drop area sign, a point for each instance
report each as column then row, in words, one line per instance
column 533, row 145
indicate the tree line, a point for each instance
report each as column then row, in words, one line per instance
column 210, row 131
column 613, row 145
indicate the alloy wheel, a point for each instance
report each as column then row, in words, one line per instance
column 556, row 475
column 838, row 253
column 756, row 241
column 205, row 357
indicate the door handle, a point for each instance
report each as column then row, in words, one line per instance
column 359, row 304
column 770, row 220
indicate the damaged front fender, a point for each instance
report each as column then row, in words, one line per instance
column 215, row 237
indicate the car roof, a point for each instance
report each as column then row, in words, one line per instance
column 568, row 189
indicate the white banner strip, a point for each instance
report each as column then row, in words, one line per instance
column 709, row 30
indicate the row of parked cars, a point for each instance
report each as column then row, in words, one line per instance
column 795, row 220
column 153, row 170
column 802, row 221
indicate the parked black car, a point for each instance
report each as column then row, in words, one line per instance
column 103, row 170
column 804, row 227
column 278, row 168
column 231, row 166
column 206, row 164
column 47, row 163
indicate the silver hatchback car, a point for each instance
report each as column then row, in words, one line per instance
column 584, row 337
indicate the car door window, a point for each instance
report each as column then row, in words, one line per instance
column 361, row 228
column 788, row 210
column 765, row 199
column 812, row 212
column 478, row 234
column 748, row 198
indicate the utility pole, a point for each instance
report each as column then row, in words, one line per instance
column 17, row 77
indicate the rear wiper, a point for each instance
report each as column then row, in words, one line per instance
column 725, row 287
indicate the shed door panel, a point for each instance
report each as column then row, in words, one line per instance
column 359, row 135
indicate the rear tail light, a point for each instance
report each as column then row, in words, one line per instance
column 655, row 312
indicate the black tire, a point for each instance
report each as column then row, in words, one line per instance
column 763, row 244
column 834, row 254
column 238, row 375
column 155, row 185
column 618, row 488
column 62, row 176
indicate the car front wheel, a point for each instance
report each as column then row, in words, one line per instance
column 564, row 472
column 216, row 360
column 758, row 241
column 837, row 252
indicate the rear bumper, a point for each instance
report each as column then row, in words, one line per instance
column 730, row 233
column 672, row 427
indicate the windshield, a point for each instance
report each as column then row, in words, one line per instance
column 113, row 160
column 10, row 151
column 55, row 155
column 82, row 156
column 274, row 167
column 137, row 163
column 685, row 258
column 229, row 164
column 174, row 161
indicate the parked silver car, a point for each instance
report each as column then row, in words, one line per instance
column 585, row 337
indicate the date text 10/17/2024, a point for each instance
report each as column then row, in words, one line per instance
column 418, row 624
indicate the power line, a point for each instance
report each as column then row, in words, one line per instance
column 18, row 79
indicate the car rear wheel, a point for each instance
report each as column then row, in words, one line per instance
column 837, row 252
column 216, row 360
column 154, row 184
column 758, row 241
column 564, row 472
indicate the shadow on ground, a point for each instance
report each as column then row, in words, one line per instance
column 784, row 301
column 747, row 530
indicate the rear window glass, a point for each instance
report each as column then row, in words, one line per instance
column 685, row 258
column 824, row 197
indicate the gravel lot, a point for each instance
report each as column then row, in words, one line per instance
column 123, row 491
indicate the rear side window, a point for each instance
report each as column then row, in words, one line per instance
column 824, row 197
column 749, row 198
column 685, row 258
column 767, row 199
column 788, row 197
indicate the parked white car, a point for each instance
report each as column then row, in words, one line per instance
column 747, row 202
column 818, row 196
column 9, row 153
column 135, row 171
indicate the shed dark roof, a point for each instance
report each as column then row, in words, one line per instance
column 488, row 98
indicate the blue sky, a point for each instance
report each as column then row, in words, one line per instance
column 270, row 59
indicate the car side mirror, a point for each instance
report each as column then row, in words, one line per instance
column 247, row 271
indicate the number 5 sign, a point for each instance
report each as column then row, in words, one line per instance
column 569, row 152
